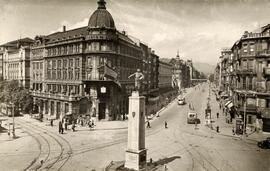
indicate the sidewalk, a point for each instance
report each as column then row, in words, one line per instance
column 225, row 129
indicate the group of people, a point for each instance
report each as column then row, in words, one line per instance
column 64, row 125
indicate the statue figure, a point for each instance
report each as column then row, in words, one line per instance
column 138, row 75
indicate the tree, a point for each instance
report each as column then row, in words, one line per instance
column 12, row 92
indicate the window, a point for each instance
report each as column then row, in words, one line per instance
column 59, row 74
column 54, row 64
column 77, row 63
column 65, row 63
column 41, row 65
column 77, row 74
column 49, row 74
column 95, row 46
column 70, row 63
column 49, row 64
column 59, row 64
column 65, row 49
column 53, row 74
column 244, row 83
column 64, row 74
column 89, row 62
column 70, row 49
column 251, row 47
column 34, row 66
column 245, row 47
column 70, row 74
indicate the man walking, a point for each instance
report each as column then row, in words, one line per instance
column 148, row 124
column 60, row 127
column 217, row 115
column 166, row 124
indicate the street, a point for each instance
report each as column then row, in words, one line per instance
column 180, row 146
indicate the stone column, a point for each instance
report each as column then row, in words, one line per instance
column 136, row 152
column 49, row 108
column 55, row 108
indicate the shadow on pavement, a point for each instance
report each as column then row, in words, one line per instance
column 167, row 160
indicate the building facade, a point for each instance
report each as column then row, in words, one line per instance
column 245, row 78
column 85, row 71
column 16, row 61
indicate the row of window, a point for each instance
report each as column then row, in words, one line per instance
column 37, row 65
column 63, row 63
column 63, row 74
column 63, row 50
column 59, row 88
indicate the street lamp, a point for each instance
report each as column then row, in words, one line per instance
column 13, row 124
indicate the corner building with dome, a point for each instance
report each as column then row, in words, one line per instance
column 84, row 71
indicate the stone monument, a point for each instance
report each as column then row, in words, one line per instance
column 136, row 152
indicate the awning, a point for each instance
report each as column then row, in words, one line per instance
column 229, row 104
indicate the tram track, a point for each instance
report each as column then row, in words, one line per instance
column 49, row 162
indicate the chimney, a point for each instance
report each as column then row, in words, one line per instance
column 64, row 28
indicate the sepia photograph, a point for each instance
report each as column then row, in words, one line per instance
column 134, row 85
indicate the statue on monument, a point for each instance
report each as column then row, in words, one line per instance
column 138, row 76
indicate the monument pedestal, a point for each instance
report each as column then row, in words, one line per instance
column 136, row 152
column 135, row 159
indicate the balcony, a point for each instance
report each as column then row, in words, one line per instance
column 245, row 72
column 57, row 96
column 263, row 53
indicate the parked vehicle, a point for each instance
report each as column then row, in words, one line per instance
column 192, row 118
column 265, row 144
column 181, row 101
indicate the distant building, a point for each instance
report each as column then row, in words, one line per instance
column 1, row 63
column 16, row 61
column 84, row 71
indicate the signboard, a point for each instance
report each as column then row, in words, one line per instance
column 103, row 89
column 109, row 72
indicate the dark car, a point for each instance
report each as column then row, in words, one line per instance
column 264, row 144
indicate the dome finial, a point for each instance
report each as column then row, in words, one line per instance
column 101, row 4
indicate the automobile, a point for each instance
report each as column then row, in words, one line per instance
column 181, row 101
column 192, row 118
column 265, row 144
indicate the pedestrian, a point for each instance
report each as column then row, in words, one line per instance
column 60, row 127
column 166, row 124
column 148, row 124
column 90, row 124
column 73, row 126
column 233, row 132
column 51, row 122
column 217, row 115
column 66, row 124
column 217, row 129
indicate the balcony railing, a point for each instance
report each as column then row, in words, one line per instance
column 58, row 96
column 265, row 52
column 245, row 71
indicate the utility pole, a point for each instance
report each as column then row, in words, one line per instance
column 13, row 128
column 245, row 112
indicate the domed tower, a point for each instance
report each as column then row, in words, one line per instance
column 101, row 18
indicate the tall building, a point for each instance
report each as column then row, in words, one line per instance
column 245, row 77
column 16, row 61
column 85, row 71
column 1, row 63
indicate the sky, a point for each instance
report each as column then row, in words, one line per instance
column 199, row 29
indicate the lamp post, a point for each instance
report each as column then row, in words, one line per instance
column 245, row 112
column 13, row 124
